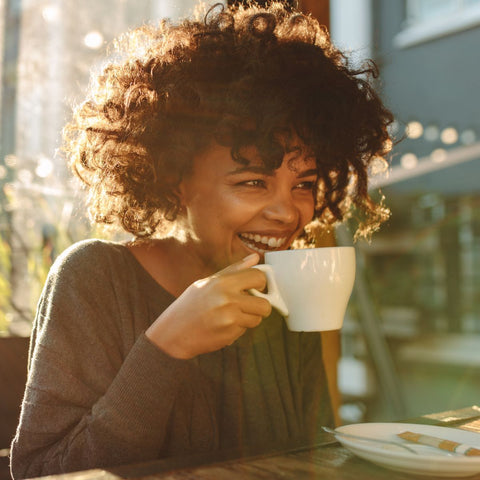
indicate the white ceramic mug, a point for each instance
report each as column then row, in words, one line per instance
column 310, row 287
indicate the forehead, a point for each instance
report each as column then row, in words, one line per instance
column 296, row 157
column 219, row 160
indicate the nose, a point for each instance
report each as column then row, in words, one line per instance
column 281, row 208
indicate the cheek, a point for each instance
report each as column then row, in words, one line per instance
column 221, row 211
column 306, row 216
column 307, row 210
column 237, row 207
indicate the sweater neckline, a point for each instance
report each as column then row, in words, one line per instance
column 144, row 273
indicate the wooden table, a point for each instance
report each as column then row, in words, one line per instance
column 327, row 460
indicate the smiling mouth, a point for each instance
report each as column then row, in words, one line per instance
column 262, row 243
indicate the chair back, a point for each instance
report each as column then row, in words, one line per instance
column 13, row 376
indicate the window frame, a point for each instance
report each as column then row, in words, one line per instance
column 423, row 30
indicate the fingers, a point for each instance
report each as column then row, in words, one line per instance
column 246, row 312
column 255, row 305
column 236, row 278
column 240, row 276
column 231, row 331
column 249, row 321
column 213, row 312
column 247, row 262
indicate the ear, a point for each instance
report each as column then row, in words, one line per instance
column 175, row 198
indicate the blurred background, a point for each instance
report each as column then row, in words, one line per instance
column 411, row 341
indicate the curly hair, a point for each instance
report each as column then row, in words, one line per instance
column 239, row 76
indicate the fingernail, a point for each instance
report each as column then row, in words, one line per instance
column 250, row 257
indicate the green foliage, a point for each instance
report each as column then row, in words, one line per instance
column 41, row 253
column 4, row 284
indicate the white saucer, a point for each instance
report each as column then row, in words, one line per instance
column 427, row 461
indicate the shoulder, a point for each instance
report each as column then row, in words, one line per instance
column 87, row 272
column 88, row 255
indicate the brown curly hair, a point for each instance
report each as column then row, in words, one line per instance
column 239, row 76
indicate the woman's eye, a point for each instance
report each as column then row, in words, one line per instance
column 254, row 183
column 310, row 185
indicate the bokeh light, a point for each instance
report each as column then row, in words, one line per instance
column 93, row 40
column 414, row 129
column 409, row 161
column 449, row 136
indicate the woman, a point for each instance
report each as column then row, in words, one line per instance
column 211, row 142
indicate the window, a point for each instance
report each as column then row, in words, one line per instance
column 429, row 19
column 422, row 11
column 48, row 48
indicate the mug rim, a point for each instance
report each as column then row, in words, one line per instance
column 299, row 250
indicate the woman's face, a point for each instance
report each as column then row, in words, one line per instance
column 231, row 210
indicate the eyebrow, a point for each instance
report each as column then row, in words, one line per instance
column 264, row 171
column 308, row 173
column 252, row 169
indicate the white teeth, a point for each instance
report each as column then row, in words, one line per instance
column 254, row 248
column 271, row 242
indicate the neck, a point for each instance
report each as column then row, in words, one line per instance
column 170, row 262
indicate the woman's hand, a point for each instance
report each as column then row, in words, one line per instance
column 212, row 312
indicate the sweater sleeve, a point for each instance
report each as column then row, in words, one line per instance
column 90, row 400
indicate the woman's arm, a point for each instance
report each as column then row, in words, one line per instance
column 101, row 392
column 89, row 400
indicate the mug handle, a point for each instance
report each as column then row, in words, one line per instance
column 273, row 295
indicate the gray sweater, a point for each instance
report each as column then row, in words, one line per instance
column 100, row 394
